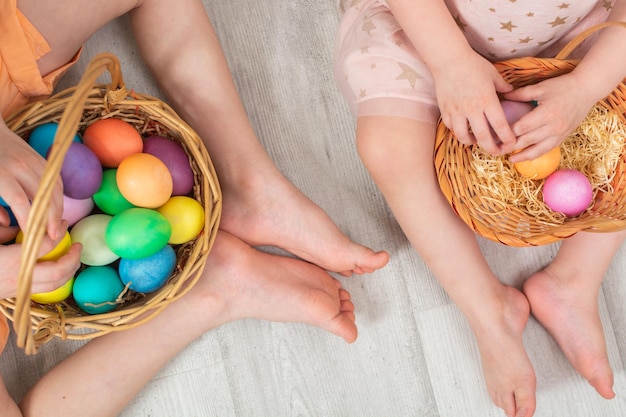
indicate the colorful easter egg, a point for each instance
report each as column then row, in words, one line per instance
column 108, row 198
column 137, row 233
column 185, row 215
column 112, row 140
column 144, row 180
column 90, row 232
column 81, row 172
column 175, row 159
column 42, row 137
column 567, row 191
column 75, row 210
column 148, row 274
column 96, row 289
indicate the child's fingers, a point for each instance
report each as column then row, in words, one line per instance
column 55, row 227
column 48, row 276
column 7, row 233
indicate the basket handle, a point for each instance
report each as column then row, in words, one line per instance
column 37, row 216
column 578, row 39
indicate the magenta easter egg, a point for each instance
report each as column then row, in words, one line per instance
column 81, row 172
column 174, row 157
column 74, row 210
column 567, row 191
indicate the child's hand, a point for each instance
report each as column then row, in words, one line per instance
column 562, row 105
column 47, row 276
column 470, row 107
column 21, row 169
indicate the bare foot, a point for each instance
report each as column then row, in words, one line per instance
column 274, row 212
column 571, row 316
column 242, row 282
column 509, row 375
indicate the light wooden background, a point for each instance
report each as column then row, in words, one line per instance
column 415, row 355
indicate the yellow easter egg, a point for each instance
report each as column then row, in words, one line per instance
column 59, row 250
column 185, row 215
column 64, row 291
column 55, row 296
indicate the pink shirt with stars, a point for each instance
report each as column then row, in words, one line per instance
column 380, row 73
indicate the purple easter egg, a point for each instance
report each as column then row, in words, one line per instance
column 81, row 172
column 74, row 210
column 174, row 157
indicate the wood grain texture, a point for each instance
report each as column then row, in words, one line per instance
column 415, row 355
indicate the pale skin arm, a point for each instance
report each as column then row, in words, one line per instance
column 565, row 101
column 466, row 94
column 20, row 171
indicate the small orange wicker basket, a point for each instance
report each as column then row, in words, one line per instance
column 74, row 109
column 514, row 226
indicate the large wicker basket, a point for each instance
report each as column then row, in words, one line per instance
column 513, row 225
column 74, row 109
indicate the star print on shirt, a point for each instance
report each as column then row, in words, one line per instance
column 558, row 21
column 408, row 74
column 368, row 26
column 508, row 26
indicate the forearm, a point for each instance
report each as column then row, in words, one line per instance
column 432, row 31
column 184, row 53
column 604, row 65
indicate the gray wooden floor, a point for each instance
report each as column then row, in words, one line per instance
column 415, row 355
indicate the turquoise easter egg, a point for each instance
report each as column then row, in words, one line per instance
column 108, row 198
column 42, row 136
column 96, row 289
column 148, row 274
column 137, row 233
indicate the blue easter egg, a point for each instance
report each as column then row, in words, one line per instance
column 42, row 136
column 148, row 274
column 96, row 289
column 9, row 212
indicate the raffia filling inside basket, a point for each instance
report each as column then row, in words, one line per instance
column 594, row 149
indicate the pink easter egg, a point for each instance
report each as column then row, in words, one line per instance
column 74, row 210
column 567, row 191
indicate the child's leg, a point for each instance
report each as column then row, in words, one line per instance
column 399, row 155
column 261, row 206
column 238, row 282
column 564, row 299
column 8, row 408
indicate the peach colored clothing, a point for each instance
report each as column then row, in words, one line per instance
column 4, row 332
column 379, row 72
column 21, row 45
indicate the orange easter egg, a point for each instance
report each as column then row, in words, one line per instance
column 112, row 140
column 144, row 180
column 540, row 167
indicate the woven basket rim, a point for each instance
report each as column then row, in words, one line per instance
column 510, row 226
column 103, row 101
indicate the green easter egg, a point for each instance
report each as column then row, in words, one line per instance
column 137, row 233
column 108, row 198
column 96, row 289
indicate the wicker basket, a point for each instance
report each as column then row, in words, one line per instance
column 513, row 226
column 74, row 109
